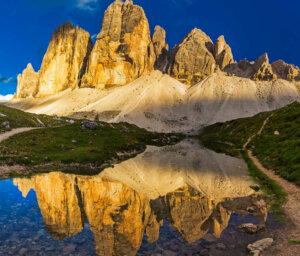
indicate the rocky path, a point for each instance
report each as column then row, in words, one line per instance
column 6, row 135
column 291, row 208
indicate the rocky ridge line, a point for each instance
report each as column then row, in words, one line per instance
column 125, row 51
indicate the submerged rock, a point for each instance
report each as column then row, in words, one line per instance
column 251, row 228
column 259, row 246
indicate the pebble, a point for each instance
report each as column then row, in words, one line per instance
column 69, row 249
column 209, row 238
column 23, row 251
column 255, row 187
column 221, row 246
column 169, row 253
column 204, row 252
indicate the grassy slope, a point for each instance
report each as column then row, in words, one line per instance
column 281, row 152
column 278, row 152
column 52, row 148
column 18, row 118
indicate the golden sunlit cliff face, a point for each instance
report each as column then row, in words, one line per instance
column 63, row 64
column 123, row 50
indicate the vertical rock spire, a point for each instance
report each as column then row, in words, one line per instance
column 123, row 50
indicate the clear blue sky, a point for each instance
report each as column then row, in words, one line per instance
column 251, row 27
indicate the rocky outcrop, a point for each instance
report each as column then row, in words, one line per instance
column 123, row 50
column 192, row 59
column 63, row 64
column 65, row 60
column 28, row 83
column 161, row 49
column 286, row 71
column 222, row 53
column 263, row 70
column 260, row 70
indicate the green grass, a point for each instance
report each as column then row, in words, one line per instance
column 234, row 132
column 18, row 118
column 52, row 148
column 294, row 241
column 278, row 152
column 281, row 152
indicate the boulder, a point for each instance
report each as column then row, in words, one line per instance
column 260, row 246
column 65, row 60
column 6, row 125
column 28, row 83
column 192, row 59
column 251, row 228
column 88, row 125
column 222, row 53
column 123, row 50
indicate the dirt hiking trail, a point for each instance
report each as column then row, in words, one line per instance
column 282, row 246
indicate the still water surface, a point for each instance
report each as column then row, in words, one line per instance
column 175, row 200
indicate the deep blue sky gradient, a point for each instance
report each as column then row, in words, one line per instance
column 251, row 27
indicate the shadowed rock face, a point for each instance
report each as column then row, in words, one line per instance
column 160, row 48
column 28, row 82
column 192, row 60
column 286, row 71
column 222, row 53
column 260, row 70
column 123, row 50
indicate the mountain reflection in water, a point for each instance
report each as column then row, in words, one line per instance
column 194, row 189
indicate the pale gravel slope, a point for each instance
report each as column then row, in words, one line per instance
column 160, row 103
